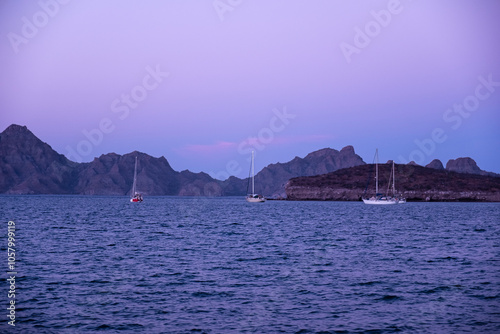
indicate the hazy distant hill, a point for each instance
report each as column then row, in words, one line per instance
column 30, row 166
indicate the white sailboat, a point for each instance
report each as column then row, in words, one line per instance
column 135, row 196
column 400, row 198
column 253, row 197
column 380, row 199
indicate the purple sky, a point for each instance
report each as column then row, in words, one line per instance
column 195, row 81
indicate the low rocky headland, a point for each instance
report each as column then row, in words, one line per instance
column 415, row 183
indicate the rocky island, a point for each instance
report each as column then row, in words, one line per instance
column 415, row 183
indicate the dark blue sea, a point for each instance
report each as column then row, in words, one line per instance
column 220, row 265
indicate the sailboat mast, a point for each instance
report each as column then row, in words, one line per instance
column 135, row 178
column 253, row 176
column 376, row 171
column 393, row 179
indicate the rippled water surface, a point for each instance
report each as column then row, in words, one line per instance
column 221, row 265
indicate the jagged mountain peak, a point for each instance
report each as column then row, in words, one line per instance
column 436, row 164
column 274, row 177
column 19, row 135
column 347, row 149
column 28, row 165
column 15, row 128
column 322, row 152
column 463, row 165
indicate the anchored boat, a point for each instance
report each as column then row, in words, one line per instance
column 381, row 199
column 253, row 197
column 135, row 196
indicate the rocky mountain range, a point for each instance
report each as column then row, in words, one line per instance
column 30, row 166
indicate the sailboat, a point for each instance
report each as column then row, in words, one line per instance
column 400, row 199
column 380, row 199
column 253, row 197
column 136, row 197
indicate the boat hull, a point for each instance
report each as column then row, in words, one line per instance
column 255, row 200
column 380, row 201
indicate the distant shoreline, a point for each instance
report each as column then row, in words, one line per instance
column 240, row 197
